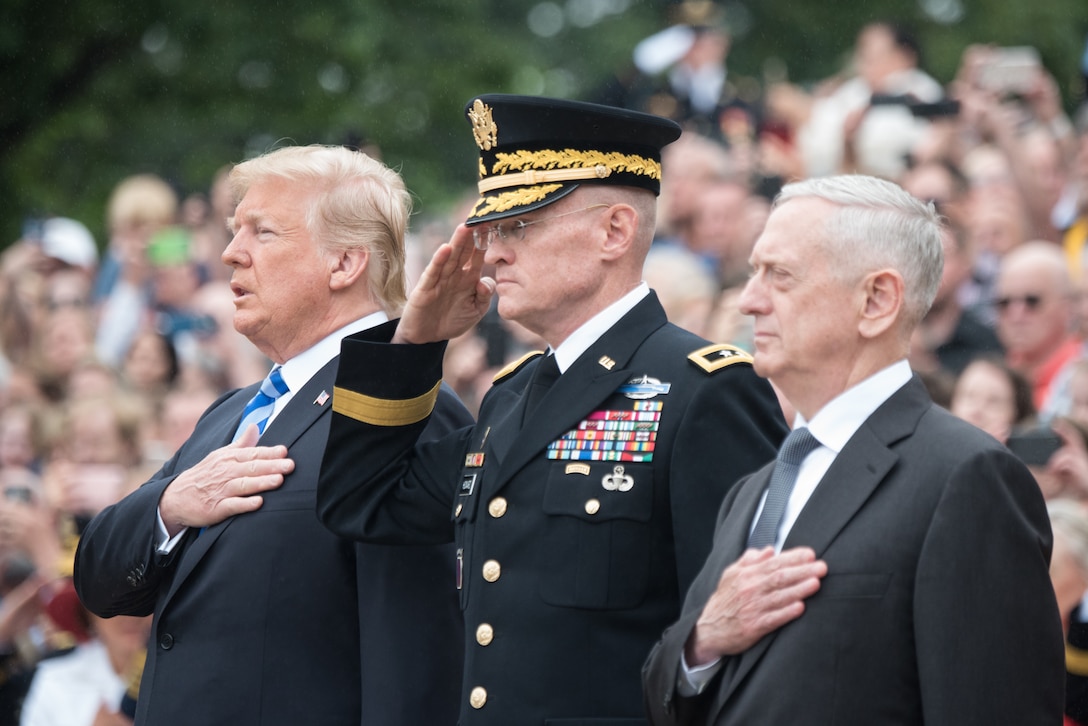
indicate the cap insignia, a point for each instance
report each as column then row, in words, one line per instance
column 483, row 126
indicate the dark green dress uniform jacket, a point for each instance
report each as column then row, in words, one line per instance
column 577, row 533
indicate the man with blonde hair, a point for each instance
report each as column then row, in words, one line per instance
column 262, row 616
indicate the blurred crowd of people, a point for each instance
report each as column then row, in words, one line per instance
column 109, row 357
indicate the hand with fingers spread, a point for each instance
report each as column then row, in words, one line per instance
column 228, row 481
column 451, row 295
column 757, row 594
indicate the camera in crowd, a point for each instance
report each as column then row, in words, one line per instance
column 1012, row 71
column 944, row 108
column 1035, row 446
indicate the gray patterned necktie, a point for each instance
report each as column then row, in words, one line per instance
column 799, row 444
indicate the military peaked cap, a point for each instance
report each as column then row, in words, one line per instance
column 535, row 150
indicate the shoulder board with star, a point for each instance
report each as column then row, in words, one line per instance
column 715, row 357
column 512, row 368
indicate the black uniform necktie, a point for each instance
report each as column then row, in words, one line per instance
column 544, row 375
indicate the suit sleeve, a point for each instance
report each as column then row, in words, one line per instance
column 732, row 427
column 983, row 587
column 664, row 705
column 417, row 586
column 117, row 570
column 382, row 480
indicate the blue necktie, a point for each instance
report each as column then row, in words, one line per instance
column 799, row 444
column 260, row 406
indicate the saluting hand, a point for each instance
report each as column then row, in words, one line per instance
column 450, row 297
column 757, row 594
column 228, row 481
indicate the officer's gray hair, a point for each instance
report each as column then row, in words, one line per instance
column 360, row 203
column 879, row 225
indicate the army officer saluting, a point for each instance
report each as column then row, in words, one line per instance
column 583, row 501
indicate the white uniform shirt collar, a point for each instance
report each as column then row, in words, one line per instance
column 581, row 339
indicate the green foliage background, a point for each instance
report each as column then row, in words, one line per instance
column 92, row 91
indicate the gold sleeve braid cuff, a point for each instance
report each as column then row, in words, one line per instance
column 383, row 411
column 1076, row 660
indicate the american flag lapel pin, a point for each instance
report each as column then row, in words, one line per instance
column 322, row 398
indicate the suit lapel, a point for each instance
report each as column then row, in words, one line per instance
column 858, row 469
column 737, row 525
column 853, row 477
column 593, row 377
column 304, row 408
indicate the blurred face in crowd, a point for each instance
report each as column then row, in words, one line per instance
column 91, row 379
column 997, row 220
column 1068, row 578
column 1078, row 393
column 1067, row 561
column 16, row 438
column 984, row 396
column 67, row 337
column 94, row 436
column 932, row 182
column 281, row 274
column 877, row 56
column 147, row 365
column 1045, row 165
column 720, row 227
column 689, row 165
column 124, row 636
column 180, row 412
column 175, row 284
column 1033, row 304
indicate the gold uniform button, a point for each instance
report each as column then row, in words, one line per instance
column 485, row 634
column 478, row 697
column 593, row 506
column 457, row 512
column 492, row 570
column 497, row 507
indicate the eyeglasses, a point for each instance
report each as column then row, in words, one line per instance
column 1030, row 302
column 483, row 237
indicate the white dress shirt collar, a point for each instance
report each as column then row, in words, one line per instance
column 299, row 370
column 835, row 423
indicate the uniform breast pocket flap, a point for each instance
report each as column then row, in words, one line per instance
column 600, row 491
